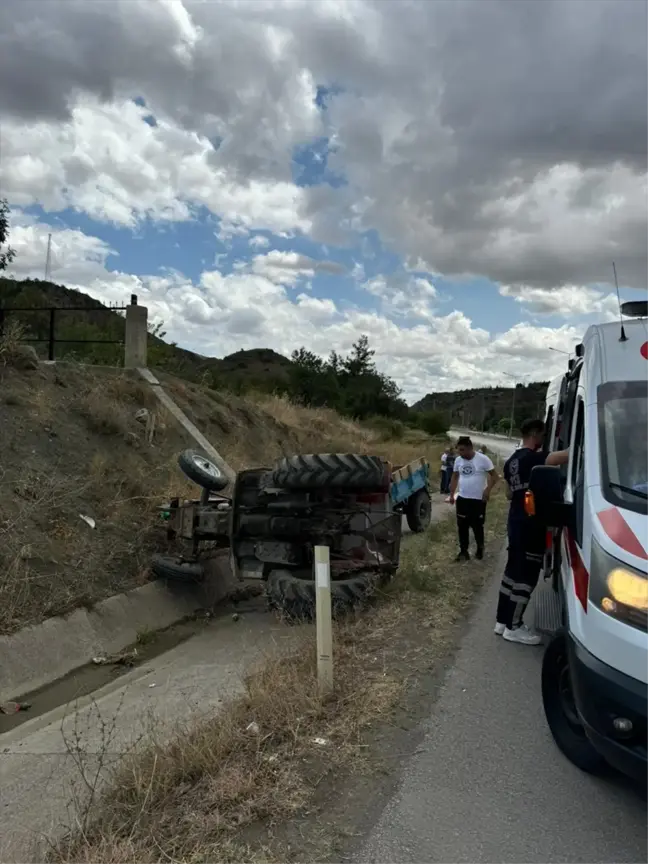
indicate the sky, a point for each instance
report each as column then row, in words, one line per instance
column 452, row 178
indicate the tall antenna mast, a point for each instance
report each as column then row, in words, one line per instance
column 48, row 259
column 623, row 337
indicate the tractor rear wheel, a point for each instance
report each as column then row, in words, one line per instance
column 331, row 471
column 293, row 593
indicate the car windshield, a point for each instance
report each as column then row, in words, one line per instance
column 623, row 419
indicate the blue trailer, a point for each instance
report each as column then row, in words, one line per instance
column 410, row 493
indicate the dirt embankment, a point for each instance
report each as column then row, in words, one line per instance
column 73, row 450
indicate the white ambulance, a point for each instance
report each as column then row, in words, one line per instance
column 595, row 605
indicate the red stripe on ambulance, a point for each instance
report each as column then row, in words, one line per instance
column 618, row 530
column 581, row 575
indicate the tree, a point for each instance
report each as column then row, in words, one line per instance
column 352, row 385
column 360, row 361
column 156, row 330
column 312, row 380
column 7, row 254
column 433, row 423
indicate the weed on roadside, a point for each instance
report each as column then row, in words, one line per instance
column 11, row 340
column 146, row 637
column 229, row 787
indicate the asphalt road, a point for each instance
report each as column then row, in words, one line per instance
column 487, row 783
column 502, row 446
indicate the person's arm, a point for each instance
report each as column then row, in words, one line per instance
column 509, row 493
column 453, row 485
column 493, row 477
column 559, row 457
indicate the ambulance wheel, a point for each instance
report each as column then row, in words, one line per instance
column 561, row 712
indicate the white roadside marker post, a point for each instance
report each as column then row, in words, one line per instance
column 323, row 619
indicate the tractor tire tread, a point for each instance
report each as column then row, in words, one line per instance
column 330, row 470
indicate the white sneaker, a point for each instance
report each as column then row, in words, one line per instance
column 499, row 629
column 522, row 635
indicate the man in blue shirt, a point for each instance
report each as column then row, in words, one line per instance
column 526, row 536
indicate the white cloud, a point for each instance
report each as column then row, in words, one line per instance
column 252, row 307
column 413, row 297
column 460, row 143
column 109, row 163
column 287, row 268
column 74, row 256
column 567, row 302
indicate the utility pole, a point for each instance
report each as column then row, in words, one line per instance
column 512, row 412
column 48, row 258
column 512, row 423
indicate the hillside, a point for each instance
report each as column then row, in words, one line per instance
column 259, row 370
column 487, row 408
column 71, row 447
column 266, row 368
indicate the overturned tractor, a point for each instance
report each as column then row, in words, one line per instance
column 354, row 504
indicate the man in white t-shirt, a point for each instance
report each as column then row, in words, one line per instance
column 473, row 478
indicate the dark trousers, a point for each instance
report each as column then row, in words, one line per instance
column 523, row 564
column 471, row 513
column 446, row 477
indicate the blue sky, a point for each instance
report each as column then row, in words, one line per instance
column 271, row 179
column 193, row 246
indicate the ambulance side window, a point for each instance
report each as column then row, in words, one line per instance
column 578, row 472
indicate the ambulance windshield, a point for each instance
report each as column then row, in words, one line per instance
column 623, row 421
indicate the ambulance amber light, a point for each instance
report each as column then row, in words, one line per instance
column 529, row 504
column 629, row 589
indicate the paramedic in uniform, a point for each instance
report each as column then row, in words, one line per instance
column 526, row 536
column 473, row 478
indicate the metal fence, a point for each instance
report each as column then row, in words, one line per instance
column 54, row 311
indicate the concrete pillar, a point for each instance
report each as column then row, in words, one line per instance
column 136, row 335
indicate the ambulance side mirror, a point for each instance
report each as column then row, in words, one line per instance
column 546, row 498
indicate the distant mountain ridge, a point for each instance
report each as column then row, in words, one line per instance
column 487, row 408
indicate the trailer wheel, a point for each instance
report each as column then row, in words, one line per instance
column 167, row 567
column 418, row 511
column 331, row 471
column 292, row 593
column 560, row 709
column 202, row 471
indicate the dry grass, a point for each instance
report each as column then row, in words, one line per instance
column 70, row 445
column 11, row 340
column 74, row 449
column 222, row 789
column 319, row 429
column 189, row 799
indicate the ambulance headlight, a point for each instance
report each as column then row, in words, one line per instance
column 627, row 588
column 618, row 590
